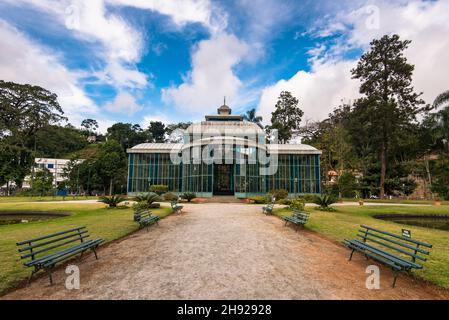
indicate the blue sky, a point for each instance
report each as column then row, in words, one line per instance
column 137, row 61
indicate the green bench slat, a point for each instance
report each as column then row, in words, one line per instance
column 398, row 260
column 34, row 246
column 405, row 245
column 67, row 255
column 49, row 236
column 377, row 257
column 428, row 245
column 42, row 259
column 394, row 248
column 34, row 253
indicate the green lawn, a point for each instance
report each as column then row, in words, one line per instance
column 344, row 222
column 101, row 222
column 4, row 199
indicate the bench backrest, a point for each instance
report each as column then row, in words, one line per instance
column 270, row 206
column 141, row 215
column 174, row 203
column 396, row 244
column 301, row 215
column 34, row 248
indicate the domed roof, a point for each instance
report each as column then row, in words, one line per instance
column 224, row 110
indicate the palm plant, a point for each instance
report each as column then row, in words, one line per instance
column 149, row 197
column 112, row 201
column 189, row 196
column 324, row 202
column 442, row 99
column 251, row 117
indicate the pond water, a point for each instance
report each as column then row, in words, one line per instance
column 431, row 221
column 13, row 217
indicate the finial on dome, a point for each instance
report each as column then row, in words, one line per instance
column 224, row 110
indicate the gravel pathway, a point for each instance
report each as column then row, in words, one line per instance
column 224, row 251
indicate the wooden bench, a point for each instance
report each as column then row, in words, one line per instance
column 176, row 207
column 398, row 252
column 146, row 218
column 299, row 218
column 45, row 252
column 268, row 209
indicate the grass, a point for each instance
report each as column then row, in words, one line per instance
column 343, row 224
column 402, row 201
column 4, row 199
column 109, row 224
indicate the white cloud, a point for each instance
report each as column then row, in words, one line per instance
column 24, row 61
column 183, row 11
column 318, row 91
column 329, row 80
column 124, row 102
column 211, row 77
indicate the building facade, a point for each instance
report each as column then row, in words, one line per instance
column 224, row 155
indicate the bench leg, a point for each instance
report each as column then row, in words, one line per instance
column 395, row 277
column 31, row 275
column 352, row 253
column 81, row 255
column 49, row 275
column 285, row 223
column 297, row 226
column 95, row 253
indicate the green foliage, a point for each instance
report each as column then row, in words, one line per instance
column 347, row 185
column 42, row 182
column 279, row 194
column 112, row 201
column 324, row 202
column 440, row 183
column 160, row 189
column 157, row 131
column 90, row 125
column 390, row 104
column 24, row 110
column 298, row 204
column 141, row 206
column 189, row 196
column 261, row 199
column 251, row 116
column 149, row 197
column 170, row 196
column 441, row 100
column 127, row 134
column 286, row 117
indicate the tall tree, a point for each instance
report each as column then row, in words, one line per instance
column 251, row 116
column 90, row 125
column 24, row 110
column 127, row 135
column 441, row 100
column 157, row 130
column 386, row 78
column 286, row 117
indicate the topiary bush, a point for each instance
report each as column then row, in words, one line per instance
column 189, row 196
column 159, row 189
column 279, row 194
column 298, row 204
column 260, row 199
column 170, row 196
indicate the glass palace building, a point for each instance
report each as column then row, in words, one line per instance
column 224, row 155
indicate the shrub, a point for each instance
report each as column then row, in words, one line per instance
column 112, row 201
column 279, row 193
column 324, row 202
column 140, row 206
column 297, row 204
column 188, row 196
column 260, row 199
column 170, row 196
column 285, row 202
column 147, row 197
column 159, row 189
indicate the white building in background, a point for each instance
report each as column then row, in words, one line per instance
column 55, row 166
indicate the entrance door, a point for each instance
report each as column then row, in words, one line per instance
column 223, row 179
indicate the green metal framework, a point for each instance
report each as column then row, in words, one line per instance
column 297, row 173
